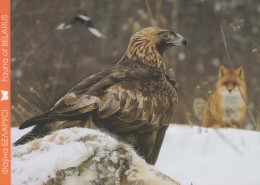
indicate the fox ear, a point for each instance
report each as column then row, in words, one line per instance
column 222, row 71
column 240, row 72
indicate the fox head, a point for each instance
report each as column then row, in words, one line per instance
column 231, row 81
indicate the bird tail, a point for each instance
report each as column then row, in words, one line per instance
column 40, row 130
column 48, row 126
column 36, row 120
column 24, row 139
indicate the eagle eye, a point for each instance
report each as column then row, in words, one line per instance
column 165, row 35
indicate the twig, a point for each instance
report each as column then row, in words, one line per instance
column 149, row 10
column 56, row 78
column 226, row 48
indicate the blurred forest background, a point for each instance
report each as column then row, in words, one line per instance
column 46, row 62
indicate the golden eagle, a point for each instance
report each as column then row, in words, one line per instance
column 134, row 100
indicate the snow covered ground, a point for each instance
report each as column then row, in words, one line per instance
column 81, row 156
column 200, row 156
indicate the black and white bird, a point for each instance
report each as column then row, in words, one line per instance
column 83, row 19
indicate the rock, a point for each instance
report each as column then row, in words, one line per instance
column 82, row 156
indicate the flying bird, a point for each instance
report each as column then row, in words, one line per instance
column 134, row 100
column 83, row 19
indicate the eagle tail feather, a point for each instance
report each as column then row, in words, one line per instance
column 25, row 138
column 35, row 120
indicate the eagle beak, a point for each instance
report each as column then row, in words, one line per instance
column 178, row 40
column 184, row 42
column 181, row 41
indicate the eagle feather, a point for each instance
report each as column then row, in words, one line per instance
column 134, row 100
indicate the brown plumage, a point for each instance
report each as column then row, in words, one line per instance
column 134, row 100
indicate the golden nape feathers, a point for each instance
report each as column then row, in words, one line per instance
column 148, row 45
column 134, row 100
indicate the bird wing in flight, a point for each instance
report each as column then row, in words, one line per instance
column 83, row 19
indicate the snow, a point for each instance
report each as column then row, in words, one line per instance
column 189, row 155
column 207, row 156
column 81, row 156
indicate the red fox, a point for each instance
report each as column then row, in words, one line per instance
column 226, row 107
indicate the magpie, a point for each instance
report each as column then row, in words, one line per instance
column 83, row 19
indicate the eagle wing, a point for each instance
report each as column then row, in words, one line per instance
column 123, row 100
column 119, row 100
column 124, row 91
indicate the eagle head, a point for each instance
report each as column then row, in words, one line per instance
column 148, row 45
